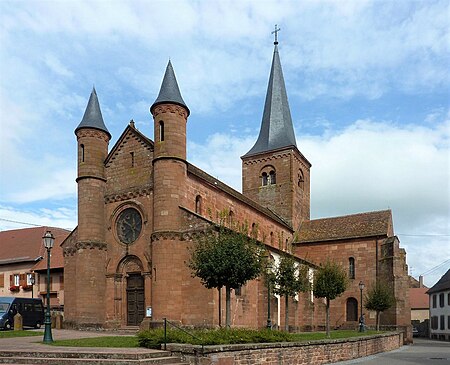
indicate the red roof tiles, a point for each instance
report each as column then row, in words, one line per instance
column 349, row 226
column 418, row 298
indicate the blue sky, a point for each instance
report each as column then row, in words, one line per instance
column 367, row 82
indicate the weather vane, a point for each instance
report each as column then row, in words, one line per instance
column 276, row 34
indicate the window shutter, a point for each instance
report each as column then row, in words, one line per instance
column 2, row 280
column 22, row 279
column 11, row 280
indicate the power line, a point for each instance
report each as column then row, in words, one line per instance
column 433, row 269
column 423, row 235
column 28, row 224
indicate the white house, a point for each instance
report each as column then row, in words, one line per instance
column 440, row 308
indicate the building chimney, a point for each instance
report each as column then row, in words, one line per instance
column 420, row 281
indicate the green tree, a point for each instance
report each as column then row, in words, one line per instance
column 330, row 281
column 290, row 279
column 379, row 298
column 226, row 258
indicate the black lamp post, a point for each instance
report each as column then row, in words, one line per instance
column 49, row 240
column 32, row 281
column 361, row 319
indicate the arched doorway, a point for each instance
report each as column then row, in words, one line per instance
column 135, row 299
column 352, row 310
column 133, row 303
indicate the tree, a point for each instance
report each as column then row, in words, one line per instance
column 225, row 258
column 330, row 281
column 379, row 298
column 290, row 279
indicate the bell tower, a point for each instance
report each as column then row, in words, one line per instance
column 274, row 172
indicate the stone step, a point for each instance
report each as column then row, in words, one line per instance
column 88, row 358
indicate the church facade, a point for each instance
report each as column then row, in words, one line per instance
column 140, row 204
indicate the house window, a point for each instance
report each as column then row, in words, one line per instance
column 448, row 322
column 434, row 323
column 448, row 299
column 442, row 324
column 264, row 179
column 441, row 300
column 434, row 301
column 273, row 177
column 301, row 180
column 351, row 268
column 198, row 204
column 161, row 131
column 82, row 152
column 29, row 276
column 16, row 280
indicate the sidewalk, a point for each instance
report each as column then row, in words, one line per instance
column 34, row 343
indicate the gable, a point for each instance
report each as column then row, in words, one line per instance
column 129, row 163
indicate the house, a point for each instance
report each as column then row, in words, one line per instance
column 23, row 258
column 141, row 205
column 420, row 307
column 439, row 296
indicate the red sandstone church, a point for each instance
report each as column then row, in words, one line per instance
column 141, row 202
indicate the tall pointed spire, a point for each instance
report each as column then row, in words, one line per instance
column 169, row 92
column 92, row 117
column 277, row 130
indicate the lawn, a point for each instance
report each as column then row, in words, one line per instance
column 104, row 341
column 9, row 334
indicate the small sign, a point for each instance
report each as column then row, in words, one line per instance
column 148, row 312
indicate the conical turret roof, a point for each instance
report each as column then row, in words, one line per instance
column 277, row 130
column 169, row 92
column 92, row 117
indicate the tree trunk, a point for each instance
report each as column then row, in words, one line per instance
column 220, row 306
column 378, row 320
column 228, row 307
column 328, row 318
column 286, row 314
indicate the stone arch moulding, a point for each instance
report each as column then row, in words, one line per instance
column 128, row 204
column 267, row 175
column 129, row 264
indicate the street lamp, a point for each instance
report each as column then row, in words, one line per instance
column 361, row 319
column 49, row 240
column 32, row 282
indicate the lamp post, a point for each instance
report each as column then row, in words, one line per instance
column 269, row 320
column 32, row 281
column 361, row 319
column 49, row 240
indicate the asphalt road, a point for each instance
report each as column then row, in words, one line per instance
column 423, row 351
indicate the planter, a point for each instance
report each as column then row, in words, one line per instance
column 14, row 288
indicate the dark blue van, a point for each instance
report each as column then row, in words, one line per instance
column 31, row 310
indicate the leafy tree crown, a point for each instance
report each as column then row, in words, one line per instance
column 330, row 281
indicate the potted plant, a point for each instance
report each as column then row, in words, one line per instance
column 14, row 288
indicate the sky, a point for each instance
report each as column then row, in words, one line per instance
column 367, row 82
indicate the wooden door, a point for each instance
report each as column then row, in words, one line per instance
column 135, row 299
column 352, row 309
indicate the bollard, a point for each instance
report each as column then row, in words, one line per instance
column 18, row 322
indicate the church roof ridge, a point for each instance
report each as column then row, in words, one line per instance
column 92, row 117
column 169, row 91
column 277, row 130
column 353, row 215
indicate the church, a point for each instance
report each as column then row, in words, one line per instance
column 141, row 203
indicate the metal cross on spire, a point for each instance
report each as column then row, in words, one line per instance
column 276, row 34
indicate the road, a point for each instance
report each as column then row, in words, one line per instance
column 423, row 351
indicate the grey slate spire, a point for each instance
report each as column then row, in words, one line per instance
column 92, row 117
column 169, row 92
column 277, row 130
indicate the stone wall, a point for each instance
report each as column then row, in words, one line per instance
column 314, row 353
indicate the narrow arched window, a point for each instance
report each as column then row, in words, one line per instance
column 254, row 231
column 273, row 177
column 161, row 131
column 271, row 238
column 230, row 218
column 351, row 268
column 82, row 152
column 132, row 159
column 198, row 204
column 264, row 179
column 301, row 180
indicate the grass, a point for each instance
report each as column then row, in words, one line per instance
column 9, row 334
column 104, row 341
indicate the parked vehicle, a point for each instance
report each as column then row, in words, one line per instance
column 31, row 310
